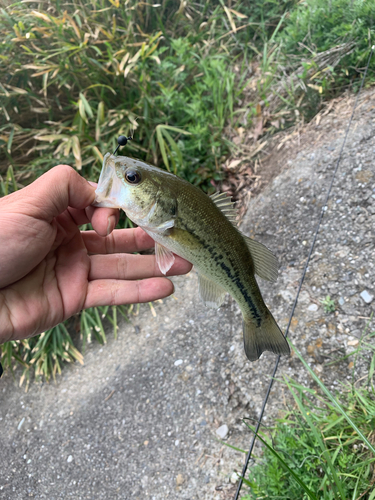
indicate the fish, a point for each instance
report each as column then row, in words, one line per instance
column 184, row 221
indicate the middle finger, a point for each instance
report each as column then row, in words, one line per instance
column 132, row 267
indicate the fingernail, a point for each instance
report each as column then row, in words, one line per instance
column 111, row 224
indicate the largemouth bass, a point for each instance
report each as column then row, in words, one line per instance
column 184, row 221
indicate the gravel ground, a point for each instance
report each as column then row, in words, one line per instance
column 139, row 419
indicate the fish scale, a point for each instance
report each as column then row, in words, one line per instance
column 184, row 221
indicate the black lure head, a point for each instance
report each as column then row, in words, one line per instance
column 122, row 141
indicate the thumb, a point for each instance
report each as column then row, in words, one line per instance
column 55, row 191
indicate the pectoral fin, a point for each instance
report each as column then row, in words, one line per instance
column 265, row 263
column 211, row 294
column 164, row 258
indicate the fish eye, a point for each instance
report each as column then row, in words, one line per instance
column 132, row 176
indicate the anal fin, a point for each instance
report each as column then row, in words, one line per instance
column 210, row 292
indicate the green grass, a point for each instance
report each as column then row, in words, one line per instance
column 328, row 304
column 181, row 77
column 323, row 448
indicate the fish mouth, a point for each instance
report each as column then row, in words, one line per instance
column 110, row 188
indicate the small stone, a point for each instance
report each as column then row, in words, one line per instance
column 222, row 431
column 178, row 362
column 367, row 297
column 353, row 343
column 234, row 477
column 70, row 459
column 177, row 442
column 180, row 479
column 312, row 307
column 310, row 349
column 286, row 295
column 341, row 301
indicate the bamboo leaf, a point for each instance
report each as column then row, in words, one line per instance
column 10, row 140
column 175, row 148
column 238, row 14
column 77, row 152
column 175, row 129
column 230, row 18
column 82, row 110
column 86, row 105
column 101, row 112
column 68, row 146
column 50, row 137
column 40, row 15
column 127, row 70
column 124, row 60
column 74, row 26
column 102, row 85
column 17, row 90
column 161, row 142
column 97, row 153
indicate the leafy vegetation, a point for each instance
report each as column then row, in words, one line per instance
column 328, row 304
column 183, row 77
column 80, row 74
column 323, row 448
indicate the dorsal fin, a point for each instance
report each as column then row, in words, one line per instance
column 224, row 202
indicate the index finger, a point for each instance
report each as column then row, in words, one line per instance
column 120, row 240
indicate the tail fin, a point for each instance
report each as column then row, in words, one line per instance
column 266, row 337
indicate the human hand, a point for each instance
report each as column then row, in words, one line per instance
column 50, row 270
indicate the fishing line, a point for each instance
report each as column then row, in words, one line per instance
column 323, row 210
